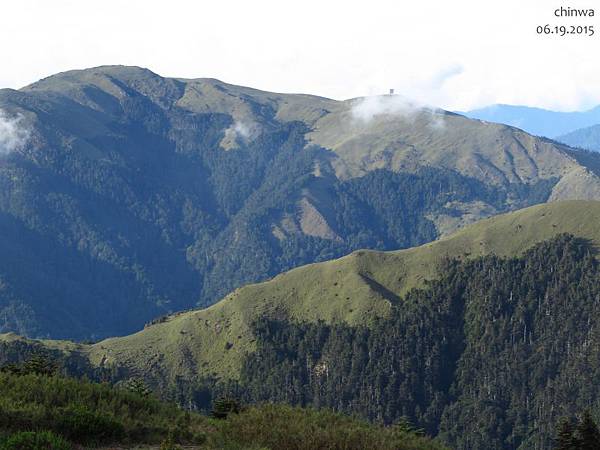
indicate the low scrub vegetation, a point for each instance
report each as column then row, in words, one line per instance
column 272, row 426
column 89, row 413
column 40, row 409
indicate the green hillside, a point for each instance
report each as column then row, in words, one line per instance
column 354, row 289
column 129, row 195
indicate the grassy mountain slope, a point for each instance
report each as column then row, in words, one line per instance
column 438, row 138
column 353, row 289
column 132, row 195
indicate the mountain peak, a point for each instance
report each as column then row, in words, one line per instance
column 82, row 76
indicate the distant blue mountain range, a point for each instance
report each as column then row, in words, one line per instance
column 540, row 122
column 587, row 138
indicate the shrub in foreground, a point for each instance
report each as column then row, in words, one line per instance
column 80, row 424
column 280, row 426
column 90, row 413
column 35, row 440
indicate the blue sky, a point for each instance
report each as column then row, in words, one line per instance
column 456, row 54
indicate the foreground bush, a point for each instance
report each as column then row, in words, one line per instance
column 284, row 427
column 35, row 440
column 79, row 424
column 90, row 413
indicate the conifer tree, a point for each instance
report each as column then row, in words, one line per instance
column 138, row 386
column 587, row 433
column 224, row 406
column 39, row 364
column 565, row 435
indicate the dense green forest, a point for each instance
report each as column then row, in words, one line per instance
column 43, row 410
column 490, row 356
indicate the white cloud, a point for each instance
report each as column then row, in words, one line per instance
column 437, row 122
column 246, row 131
column 395, row 107
column 368, row 108
column 440, row 78
column 240, row 132
column 13, row 134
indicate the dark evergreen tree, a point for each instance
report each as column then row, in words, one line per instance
column 138, row 386
column 224, row 406
column 565, row 435
column 38, row 363
column 588, row 436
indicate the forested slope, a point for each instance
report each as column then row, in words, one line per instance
column 489, row 357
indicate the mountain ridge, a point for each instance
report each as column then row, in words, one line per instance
column 587, row 138
column 140, row 195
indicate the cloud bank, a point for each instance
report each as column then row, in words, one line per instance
column 13, row 134
column 367, row 109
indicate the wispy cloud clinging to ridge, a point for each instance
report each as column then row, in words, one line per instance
column 395, row 107
column 13, row 133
